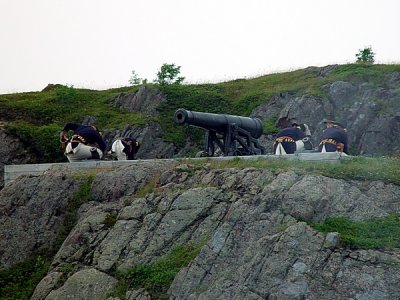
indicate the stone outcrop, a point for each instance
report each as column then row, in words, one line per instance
column 150, row 138
column 251, row 223
column 12, row 151
column 85, row 284
column 144, row 101
column 31, row 215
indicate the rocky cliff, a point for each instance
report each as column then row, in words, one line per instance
column 250, row 226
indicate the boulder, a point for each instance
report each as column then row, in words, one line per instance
column 85, row 284
column 144, row 101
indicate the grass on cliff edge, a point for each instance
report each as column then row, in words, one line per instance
column 370, row 234
column 156, row 277
column 386, row 169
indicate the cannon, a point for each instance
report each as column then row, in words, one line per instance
column 234, row 135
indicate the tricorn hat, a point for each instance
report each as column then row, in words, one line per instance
column 341, row 123
column 293, row 121
column 329, row 121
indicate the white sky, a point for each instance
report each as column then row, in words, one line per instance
column 97, row 43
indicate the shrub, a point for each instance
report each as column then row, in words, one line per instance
column 365, row 55
column 42, row 140
column 169, row 74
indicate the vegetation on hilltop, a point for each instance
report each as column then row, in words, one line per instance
column 37, row 117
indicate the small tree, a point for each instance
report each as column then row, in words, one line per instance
column 365, row 55
column 134, row 80
column 169, row 74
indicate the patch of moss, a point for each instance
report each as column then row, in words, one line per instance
column 156, row 277
column 147, row 188
column 110, row 219
column 370, row 234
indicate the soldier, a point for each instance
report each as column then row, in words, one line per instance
column 305, row 143
column 286, row 139
column 334, row 138
column 85, row 143
column 125, row 149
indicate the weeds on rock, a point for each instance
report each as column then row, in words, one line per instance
column 20, row 281
column 375, row 233
column 156, row 277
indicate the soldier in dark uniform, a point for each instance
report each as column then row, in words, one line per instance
column 334, row 138
column 85, row 143
column 285, row 140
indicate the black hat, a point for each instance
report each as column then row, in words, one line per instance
column 329, row 121
column 293, row 121
column 341, row 124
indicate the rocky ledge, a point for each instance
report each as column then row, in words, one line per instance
column 251, row 226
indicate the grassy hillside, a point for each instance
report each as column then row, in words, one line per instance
column 37, row 117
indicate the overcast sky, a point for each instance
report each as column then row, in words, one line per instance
column 97, row 43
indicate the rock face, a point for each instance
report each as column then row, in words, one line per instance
column 149, row 137
column 31, row 215
column 251, row 223
column 144, row 101
column 11, row 152
column 85, row 284
column 371, row 113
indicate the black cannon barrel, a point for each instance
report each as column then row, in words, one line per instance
column 218, row 122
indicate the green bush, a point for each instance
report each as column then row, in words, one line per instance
column 365, row 56
column 65, row 93
column 169, row 74
column 269, row 126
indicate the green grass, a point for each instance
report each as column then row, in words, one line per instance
column 269, row 126
column 386, row 169
column 156, row 277
column 20, row 281
column 370, row 234
column 206, row 98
